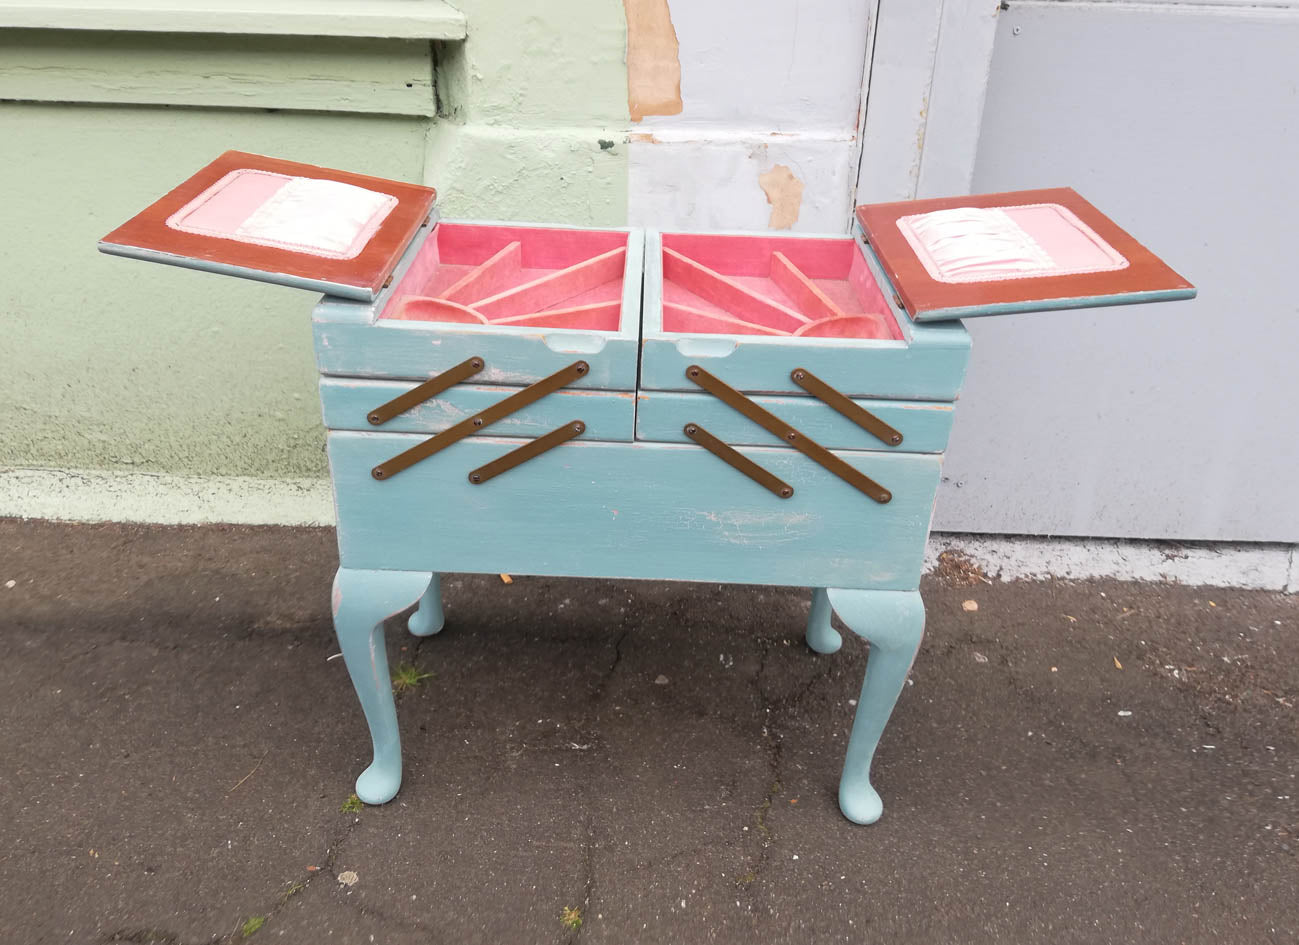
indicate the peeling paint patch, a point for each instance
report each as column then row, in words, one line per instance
column 653, row 60
column 785, row 194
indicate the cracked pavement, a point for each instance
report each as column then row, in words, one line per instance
column 177, row 744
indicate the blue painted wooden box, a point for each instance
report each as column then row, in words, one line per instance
column 741, row 408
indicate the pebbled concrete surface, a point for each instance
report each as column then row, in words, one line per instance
column 175, row 746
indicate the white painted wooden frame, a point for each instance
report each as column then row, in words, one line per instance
column 923, row 94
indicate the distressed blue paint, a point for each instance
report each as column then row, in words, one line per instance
column 930, row 366
column 608, row 415
column 661, row 415
column 893, row 622
column 632, row 510
column 240, row 272
column 362, row 601
column 821, row 636
column 428, row 618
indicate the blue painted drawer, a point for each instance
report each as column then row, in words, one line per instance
column 346, row 402
column 662, row 416
column 636, row 510
column 713, row 299
column 404, row 332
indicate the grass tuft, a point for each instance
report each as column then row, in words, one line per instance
column 406, row 676
column 252, row 925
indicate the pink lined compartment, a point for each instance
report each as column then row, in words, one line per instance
column 771, row 286
column 990, row 244
column 513, row 275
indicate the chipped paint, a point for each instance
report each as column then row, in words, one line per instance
column 653, row 60
column 785, row 194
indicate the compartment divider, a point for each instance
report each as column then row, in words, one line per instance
column 556, row 286
column 725, row 323
column 555, row 317
column 737, row 299
column 806, row 294
column 495, row 275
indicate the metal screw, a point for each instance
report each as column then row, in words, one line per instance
column 478, row 421
column 786, row 492
column 477, row 363
column 693, row 372
column 887, row 497
column 579, row 427
column 374, row 418
column 791, row 436
column 581, row 367
column 474, row 477
column 799, row 375
column 691, row 429
column 896, row 439
column 377, row 472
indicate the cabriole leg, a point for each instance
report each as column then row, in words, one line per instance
column 822, row 637
column 362, row 601
column 428, row 619
column 893, row 622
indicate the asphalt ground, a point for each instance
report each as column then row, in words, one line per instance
column 1071, row 762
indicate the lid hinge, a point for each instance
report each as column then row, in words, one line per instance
column 426, row 391
column 527, row 451
column 849, row 408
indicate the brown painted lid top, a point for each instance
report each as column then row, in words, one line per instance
column 1146, row 278
column 147, row 235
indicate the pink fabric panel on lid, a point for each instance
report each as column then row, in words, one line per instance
column 302, row 214
column 972, row 244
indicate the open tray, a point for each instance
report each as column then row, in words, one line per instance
column 528, row 300
column 750, row 308
column 541, row 277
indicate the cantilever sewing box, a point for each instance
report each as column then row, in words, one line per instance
column 732, row 408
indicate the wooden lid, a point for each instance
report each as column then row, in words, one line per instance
column 1127, row 272
column 382, row 223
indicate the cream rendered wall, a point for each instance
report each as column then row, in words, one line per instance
column 763, row 85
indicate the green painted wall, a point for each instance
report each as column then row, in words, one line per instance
column 122, row 365
column 527, row 99
column 113, row 363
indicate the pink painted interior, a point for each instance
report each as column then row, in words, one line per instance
column 1066, row 239
column 1070, row 245
column 513, row 275
column 771, row 285
column 230, row 201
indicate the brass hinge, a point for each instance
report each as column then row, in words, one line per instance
column 774, row 425
column 484, row 418
column 729, row 454
column 527, row 451
column 850, row 409
column 429, row 389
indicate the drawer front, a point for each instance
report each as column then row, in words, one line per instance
column 511, row 356
column 346, row 402
column 662, row 416
column 632, row 510
column 891, row 369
